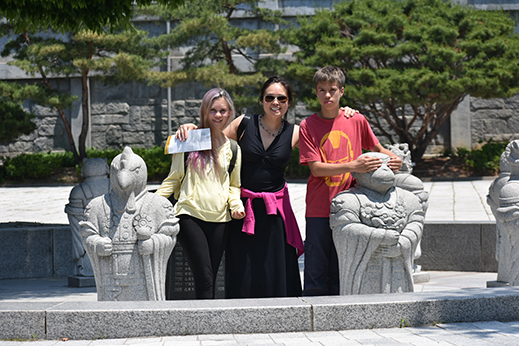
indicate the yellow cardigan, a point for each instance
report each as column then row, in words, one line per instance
column 210, row 196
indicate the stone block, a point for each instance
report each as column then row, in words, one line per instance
column 110, row 108
column 413, row 309
column 83, row 320
column 63, row 264
column 23, row 320
column 28, row 255
column 36, row 250
column 458, row 246
column 81, row 281
column 478, row 103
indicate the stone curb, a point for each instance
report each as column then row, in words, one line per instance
column 93, row 320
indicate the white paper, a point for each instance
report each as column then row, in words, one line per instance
column 197, row 140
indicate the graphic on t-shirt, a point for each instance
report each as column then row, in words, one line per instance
column 338, row 146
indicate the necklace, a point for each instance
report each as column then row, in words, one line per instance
column 270, row 133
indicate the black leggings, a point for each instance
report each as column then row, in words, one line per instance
column 203, row 243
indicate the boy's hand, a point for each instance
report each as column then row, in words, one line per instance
column 395, row 162
column 183, row 130
column 366, row 164
column 349, row 112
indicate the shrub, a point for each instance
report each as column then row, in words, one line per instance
column 40, row 166
column 484, row 160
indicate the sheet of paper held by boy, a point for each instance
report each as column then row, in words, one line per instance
column 197, row 140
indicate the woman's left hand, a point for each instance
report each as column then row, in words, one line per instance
column 349, row 112
column 238, row 215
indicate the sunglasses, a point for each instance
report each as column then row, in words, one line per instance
column 280, row 98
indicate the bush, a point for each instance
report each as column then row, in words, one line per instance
column 34, row 166
column 484, row 161
column 40, row 166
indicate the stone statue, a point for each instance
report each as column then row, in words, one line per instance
column 96, row 183
column 502, row 239
column 404, row 177
column 405, row 180
column 129, row 234
column 376, row 229
column 507, row 216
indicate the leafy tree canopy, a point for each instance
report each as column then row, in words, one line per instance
column 219, row 50
column 14, row 120
column 73, row 16
column 409, row 63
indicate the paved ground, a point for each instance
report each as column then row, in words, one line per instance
column 448, row 201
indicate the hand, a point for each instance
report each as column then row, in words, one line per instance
column 182, row 132
column 104, row 246
column 365, row 164
column 395, row 162
column 390, row 251
column 238, row 215
column 349, row 112
column 390, row 237
column 146, row 246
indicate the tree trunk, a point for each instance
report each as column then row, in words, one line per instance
column 86, row 116
column 60, row 111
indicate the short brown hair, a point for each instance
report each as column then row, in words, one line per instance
column 329, row 74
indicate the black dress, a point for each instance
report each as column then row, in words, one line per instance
column 263, row 264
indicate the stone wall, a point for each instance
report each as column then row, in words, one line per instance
column 496, row 119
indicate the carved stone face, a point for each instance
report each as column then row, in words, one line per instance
column 128, row 173
column 380, row 180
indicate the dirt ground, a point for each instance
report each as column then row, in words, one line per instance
column 443, row 168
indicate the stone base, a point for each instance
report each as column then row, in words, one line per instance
column 81, row 281
column 497, row 284
column 421, row 277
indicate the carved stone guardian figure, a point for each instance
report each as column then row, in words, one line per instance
column 507, row 219
column 96, row 183
column 502, row 239
column 376, row 229
column 129, row 234
column 407, row 181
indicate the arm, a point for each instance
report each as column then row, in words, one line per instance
column 361, row 165
column 235, row 204
column 395, row 162
column 171, row 185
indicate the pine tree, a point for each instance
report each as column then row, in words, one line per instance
column 210, row 33
column 118, row 57
column 409, row 63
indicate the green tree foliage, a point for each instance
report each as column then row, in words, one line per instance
column 119, row 57
column 74, row 16
column 211, row 35
column 14, row 120
column 409, row 63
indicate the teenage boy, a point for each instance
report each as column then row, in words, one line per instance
column 331, row 145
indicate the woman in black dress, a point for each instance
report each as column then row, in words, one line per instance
column 264, row 264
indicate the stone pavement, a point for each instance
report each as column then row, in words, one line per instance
column 490, row 333
column 449, row 201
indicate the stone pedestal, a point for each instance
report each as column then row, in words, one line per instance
column 497, row 284
column 81, row 281
column 180, row 284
